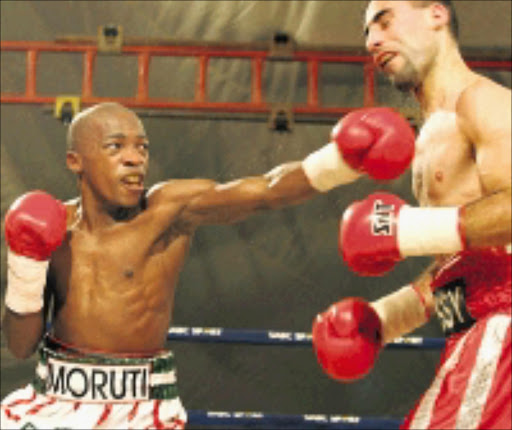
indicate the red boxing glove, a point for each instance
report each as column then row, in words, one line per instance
column 347, row 339
column 381, row 230
column 35, row 225
column 368, row 240
column 378, row 141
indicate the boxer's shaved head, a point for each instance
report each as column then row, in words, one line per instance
column 88, row 123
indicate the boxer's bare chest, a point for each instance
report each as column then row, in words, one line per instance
column 444, row 169
column 113, row 277
column 118, row 259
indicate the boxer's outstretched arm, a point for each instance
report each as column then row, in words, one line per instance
column 208, row 202
column 375, row 141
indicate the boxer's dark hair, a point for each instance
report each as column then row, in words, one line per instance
column 448, row 4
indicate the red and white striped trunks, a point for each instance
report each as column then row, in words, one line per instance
column 96, row 391
column 472, row 388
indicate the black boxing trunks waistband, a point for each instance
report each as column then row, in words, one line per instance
column 102, row 378
column 476, row 284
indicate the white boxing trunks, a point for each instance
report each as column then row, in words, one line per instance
column 77, row 390
column 472, row 386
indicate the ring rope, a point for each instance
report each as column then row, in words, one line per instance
column 261, row 420
column 274, row 337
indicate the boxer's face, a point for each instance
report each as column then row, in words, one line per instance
column 114, row 158
column 398, row 36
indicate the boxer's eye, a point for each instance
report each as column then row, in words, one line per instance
column 113, row 146
column 385, row 23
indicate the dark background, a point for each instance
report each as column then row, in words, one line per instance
column 274, row 271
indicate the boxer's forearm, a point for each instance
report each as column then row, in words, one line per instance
column 400, row 312
column 23, row 332
column 235, row 201
column 285, row 185
column 288, row 184
column 407, row 308
column 488, row 221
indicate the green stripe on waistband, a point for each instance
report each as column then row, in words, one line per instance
column 159, row 364
column 39, row 384
column 163, row 392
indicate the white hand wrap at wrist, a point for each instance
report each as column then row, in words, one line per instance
column 326, row 168
column 429, row 231
column 26, row 279
column 401, row 312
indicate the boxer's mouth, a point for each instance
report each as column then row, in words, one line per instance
column 133, row 181
column 384, row 58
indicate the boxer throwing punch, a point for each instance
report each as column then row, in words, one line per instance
column 462, row 181
column 108, row 263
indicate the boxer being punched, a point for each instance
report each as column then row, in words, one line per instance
column 462, row 181
column 106, row 264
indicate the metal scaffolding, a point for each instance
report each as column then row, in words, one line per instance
column 258, row 53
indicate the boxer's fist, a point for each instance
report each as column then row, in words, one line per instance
column 368, row 234
column 381, row 230
column 374, row 141
column 377, row 141
column 347, row 339
column 35, row 225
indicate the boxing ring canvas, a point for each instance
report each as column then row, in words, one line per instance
column 275, row 271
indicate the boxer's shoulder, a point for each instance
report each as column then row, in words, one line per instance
column 483, row 86
column 481, row 100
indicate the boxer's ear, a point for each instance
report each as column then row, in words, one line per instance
column 74, row 162
column 439, row 15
